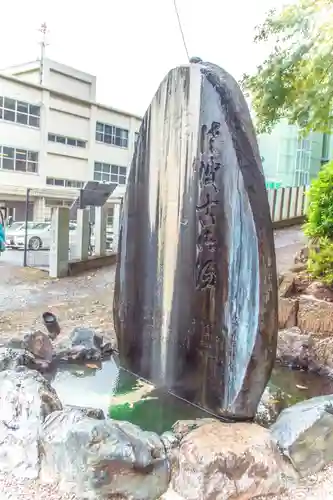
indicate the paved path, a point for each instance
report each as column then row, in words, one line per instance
column 287, row 243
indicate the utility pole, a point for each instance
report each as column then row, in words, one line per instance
column 43, row 30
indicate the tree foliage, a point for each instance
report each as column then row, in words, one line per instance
column 296, row 80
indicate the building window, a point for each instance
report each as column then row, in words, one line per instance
column 104, row 172
column 136, row 137
column 53, row 202
column 303, row 162
column 109, row 217
column 17, row 159
column 109, row 134
column 53, row 181
column 21, row 112
column 69, row 141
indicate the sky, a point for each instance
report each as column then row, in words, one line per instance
column 130, row 45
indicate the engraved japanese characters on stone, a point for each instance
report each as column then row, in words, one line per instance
column 207, row 275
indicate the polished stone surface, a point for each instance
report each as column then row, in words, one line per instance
column 195, row 299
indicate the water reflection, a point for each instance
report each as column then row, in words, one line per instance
column 288, row 387
column 123, row 396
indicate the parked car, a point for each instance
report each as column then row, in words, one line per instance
column 39, row 236
column 15, row 230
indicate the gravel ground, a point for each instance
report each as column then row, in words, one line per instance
column 14, row 489
column 316, row 487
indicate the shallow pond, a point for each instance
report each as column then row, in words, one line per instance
column 123, row 396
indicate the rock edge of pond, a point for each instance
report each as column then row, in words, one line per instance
column 90, row 456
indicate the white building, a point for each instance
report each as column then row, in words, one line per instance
column 54, row 137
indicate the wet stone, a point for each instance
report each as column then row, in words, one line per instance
column 86, row 337
column 26, row 400
column 304, row 434
column 82, row 345
column 102, row 459
column 11, row 358
column 229, row 461
column 95, row 413
column 40, row 345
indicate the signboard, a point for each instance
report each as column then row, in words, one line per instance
column 273, row 185
column 93, row 194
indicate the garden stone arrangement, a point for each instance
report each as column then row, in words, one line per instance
column 98, row 458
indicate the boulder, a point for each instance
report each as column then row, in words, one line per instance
column 12, row 358
column 294, row 349
column 272, row 402
column 26, row 399
column 288, row 311
column 170, row 440
column 182, row 427
column 95, row 413
column 103, row 459
column 287, row 285
column 83, row 344
column 224, row 461
column 40, row 345
column 302, row 256
column 315, row 316
column 304, row 434
column 319, row 291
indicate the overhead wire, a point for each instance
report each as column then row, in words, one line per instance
column 181, row 29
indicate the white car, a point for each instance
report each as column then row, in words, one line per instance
column 15, row 230
column 39, row 236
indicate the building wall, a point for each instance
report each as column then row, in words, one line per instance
column 288, row 159
column 65, row 139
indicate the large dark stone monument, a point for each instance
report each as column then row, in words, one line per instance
column 196, row 296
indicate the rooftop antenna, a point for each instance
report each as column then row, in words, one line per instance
column 44, row 31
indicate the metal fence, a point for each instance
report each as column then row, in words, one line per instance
column 287, row 203
column 41, row 258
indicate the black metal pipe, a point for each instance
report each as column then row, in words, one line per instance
column 26, row 228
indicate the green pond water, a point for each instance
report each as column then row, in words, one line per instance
column 124, row 396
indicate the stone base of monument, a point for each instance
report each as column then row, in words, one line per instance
column 94, row 457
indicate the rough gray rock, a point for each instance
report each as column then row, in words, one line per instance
column 229, row 461
column 294, row 349
column 304, row 434
column 26, row 399
column 100, row 459
column 40, row 345
column 95, row 413
column 170, row 440
column 83, row 344
column 183, row 427
column 12, row 358
column 272, row 402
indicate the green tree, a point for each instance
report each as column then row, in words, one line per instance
column 296, row 80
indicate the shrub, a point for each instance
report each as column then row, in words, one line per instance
column 320, row 263
column 319, row 226
column 320, row 208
